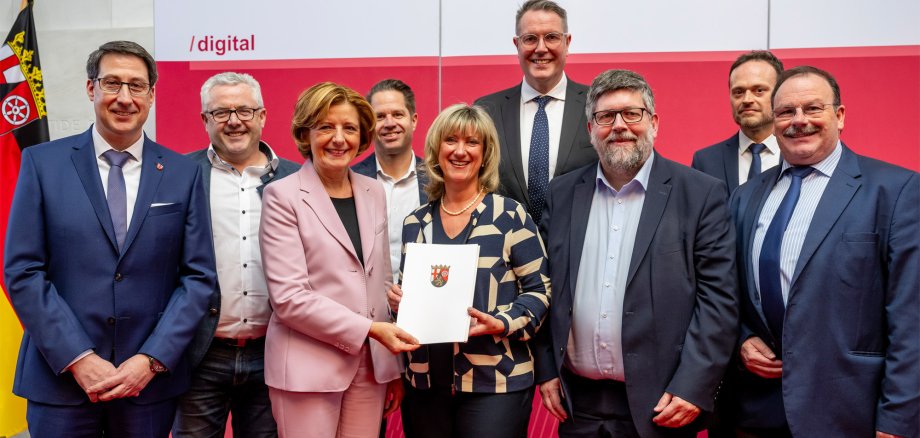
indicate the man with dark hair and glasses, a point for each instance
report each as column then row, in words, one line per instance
column 229, row 346
column 753, row 149
column 641, row 251
column 829, row 273
column 109, row 264
column 540, row 122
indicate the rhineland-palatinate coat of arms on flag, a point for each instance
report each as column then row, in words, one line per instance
column 439, row 275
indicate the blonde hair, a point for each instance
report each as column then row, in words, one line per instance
column 461, row 118
column 313, row 105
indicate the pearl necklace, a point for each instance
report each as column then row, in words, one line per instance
column 458, row 213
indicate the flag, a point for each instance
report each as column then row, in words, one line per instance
column 23, row 122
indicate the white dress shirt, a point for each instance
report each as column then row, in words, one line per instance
column 402, row 200
column 554, row 111
column 768, row 158
column 236, row 209
column 812, row 189
column 131, row 170
column 595, row 347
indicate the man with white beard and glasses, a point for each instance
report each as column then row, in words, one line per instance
column 641, row 252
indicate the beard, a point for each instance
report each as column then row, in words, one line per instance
column 624, row 159
column 754, row 123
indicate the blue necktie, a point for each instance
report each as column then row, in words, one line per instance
column 538, row 165
column 771, row 286
column 117, row 194
column 755, row 169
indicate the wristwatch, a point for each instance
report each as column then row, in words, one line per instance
column 155, row 366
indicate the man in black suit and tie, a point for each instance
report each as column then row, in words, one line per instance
column 540, row 122
column 641, row 252
column 753, row 148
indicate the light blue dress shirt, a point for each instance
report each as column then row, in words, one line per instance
column 595, row 340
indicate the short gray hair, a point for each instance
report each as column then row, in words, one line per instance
column 613, row 80
column 230, row 78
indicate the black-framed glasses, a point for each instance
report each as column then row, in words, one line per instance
column 609, row 117
column 112, row 85
column 550, row 40
column 810, row 110
column 244, row 114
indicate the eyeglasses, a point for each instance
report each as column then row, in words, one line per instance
column 113, row 86
column 811, row 110
column 551, row 40
column 242, row 114
column 609, row 117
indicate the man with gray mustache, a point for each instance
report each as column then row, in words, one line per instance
column 829, row 257
column 641, row 250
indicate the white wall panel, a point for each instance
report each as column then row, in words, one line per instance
column 844, row 23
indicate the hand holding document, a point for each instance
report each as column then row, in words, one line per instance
column 438, row 286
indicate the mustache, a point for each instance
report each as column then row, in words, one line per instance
column 794, row 131
column 622, row 136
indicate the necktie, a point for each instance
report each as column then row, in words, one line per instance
column 538, row 165
column 117, row 194
column 755, row 149
column 771, row 286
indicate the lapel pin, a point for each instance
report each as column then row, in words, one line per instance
column 159, row 166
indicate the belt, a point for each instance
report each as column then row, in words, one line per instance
column 240, row 343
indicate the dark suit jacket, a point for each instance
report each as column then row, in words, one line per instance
column 720, row 160
column 680, row 311
column 575, row 148
column 205, row 333
column 851, row 337
column 74, row 290
column 368, row 168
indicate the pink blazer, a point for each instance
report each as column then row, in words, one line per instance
column 323, row 299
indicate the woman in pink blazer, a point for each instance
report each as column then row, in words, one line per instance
column 329, row 352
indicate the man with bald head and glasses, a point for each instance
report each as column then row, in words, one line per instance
column 229, row 346
column 641, row 252
column 829, row 273
column 541, row 121
column 108, row 264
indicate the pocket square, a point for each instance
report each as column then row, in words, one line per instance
column 161, row 204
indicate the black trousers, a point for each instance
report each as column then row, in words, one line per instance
column 438, row 413
column 600, row 409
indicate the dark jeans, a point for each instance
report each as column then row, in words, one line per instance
column 437, row 413
column 117, row 418
column 229, row 379
column 600, row 409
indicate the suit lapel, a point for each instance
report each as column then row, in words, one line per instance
column 84, row 160
column 581, row 209
column 152, row 169
column 837, row 195
column 573, row 119
column 365, row 205
column 730, row 160
column 511, row 122
column 656, row 198
column 751, row 214
column 314, row 195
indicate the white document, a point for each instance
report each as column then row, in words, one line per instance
column 438, row 286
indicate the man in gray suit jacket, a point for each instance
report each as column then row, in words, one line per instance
column 541, row 122
column 228, row 349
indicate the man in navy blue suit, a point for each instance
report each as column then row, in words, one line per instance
column 829, row 255
column 641, row 251
column 753, row 148
column 109, row 264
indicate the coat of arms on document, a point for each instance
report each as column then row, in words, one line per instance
column 439, row 275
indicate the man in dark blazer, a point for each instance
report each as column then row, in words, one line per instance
column 753, row 148
column 829, row 255
column 109, row 264
column 235, row 169
column 393, row 162
column 645, row 314
column 539, row 140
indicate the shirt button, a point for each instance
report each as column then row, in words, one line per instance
column 244, row 237
column 244, row 211
column 245, row 264
column 619, row 201
column 118, row 276
column 245, row 320
column 242, row 189
column 604, row 315
column 607, row 284
column 245, row 292
column 604, row 345
column 611, row 257
column 616, row 228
